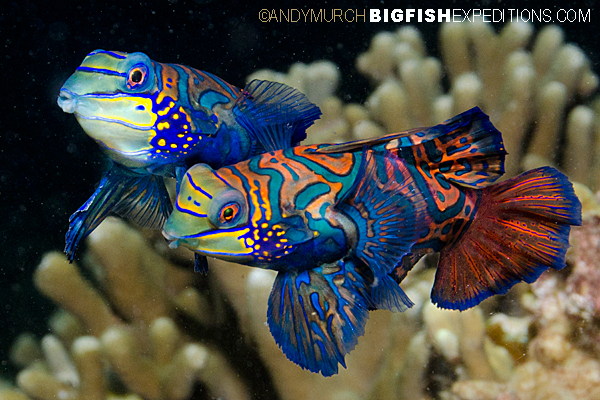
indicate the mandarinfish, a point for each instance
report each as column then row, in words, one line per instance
column 155, row 120
column 343, row 225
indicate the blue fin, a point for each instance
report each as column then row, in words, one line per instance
column 296, row 230
column 472, row 150
column 316, row 316
column 275, row 115
column 386, row 294
column 466, row 149
column 407, row 263
column 388, row 209
column 381, row 293
column 146, row 202
column 179, row 174
column 521, row 229
column 143, row 198
column 200, row 264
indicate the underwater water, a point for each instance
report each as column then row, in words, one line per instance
column 49, row 168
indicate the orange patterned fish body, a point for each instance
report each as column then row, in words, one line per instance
column 343, row 224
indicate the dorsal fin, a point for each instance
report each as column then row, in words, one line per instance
column 275, row 115
column 466, row 149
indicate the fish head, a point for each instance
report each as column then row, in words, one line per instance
column 135, row 108
column 234, row 214
column 210, row 216
column 110, row 95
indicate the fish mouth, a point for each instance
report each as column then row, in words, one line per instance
column 173, row 241
column 67, row 101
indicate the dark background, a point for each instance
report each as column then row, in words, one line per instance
column 49, row 167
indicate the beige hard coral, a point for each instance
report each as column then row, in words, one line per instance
column 410, row 355
column 556, row 367
column 146, row 325
column 581, row 301
column 248, row 290
column 562, row 342
column 150, row 355
column 318, row 80
column 122, row 329
column 536, row 88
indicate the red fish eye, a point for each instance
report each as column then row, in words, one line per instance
column 228, row 213
column 137, row 76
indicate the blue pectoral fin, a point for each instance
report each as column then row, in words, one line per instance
column 275, row 115
column 316, row 316
column 295, row 229
column 205, row 121
column 200, row 264
column 146, row 202
column 388, row 209
column 143, row 198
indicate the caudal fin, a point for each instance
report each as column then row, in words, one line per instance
column 521, row 229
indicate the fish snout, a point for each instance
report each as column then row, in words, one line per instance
column 171, row 239
column 67, row 101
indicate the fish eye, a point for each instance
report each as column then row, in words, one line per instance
column 137, row 76
column 228, row 209
column 228, row 212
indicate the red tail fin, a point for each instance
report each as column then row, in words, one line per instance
column 521, row 229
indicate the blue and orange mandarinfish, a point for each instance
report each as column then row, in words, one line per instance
column 343, row 224
column 155, row 120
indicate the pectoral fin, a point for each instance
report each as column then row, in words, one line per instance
column 388, row 209
column 316, row 316
column 142, row 198
column 200, row 264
